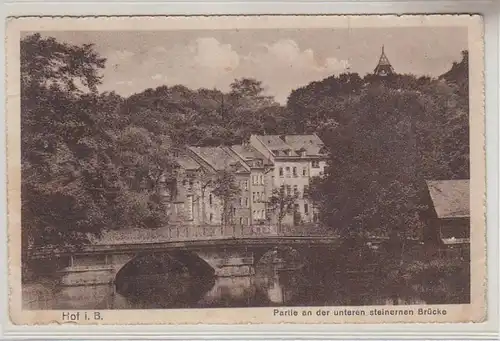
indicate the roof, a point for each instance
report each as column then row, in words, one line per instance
column 274, row 142
column 450, row 198
column 215, row 157
column 311, row 144
column 187, row 162
column 383, row 64
column 248, row 153
column 279, row 144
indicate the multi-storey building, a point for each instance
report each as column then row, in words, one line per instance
column 259, row 185
column 296, row 159
column 264, row 163
column 215, row 159
column 185, row 197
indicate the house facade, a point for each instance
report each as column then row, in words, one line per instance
column 262, row 164
column 258, row 185
column 217, row 159
column 296, row 159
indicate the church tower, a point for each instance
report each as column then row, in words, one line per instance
column 384, row 67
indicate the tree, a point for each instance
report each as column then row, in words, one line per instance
column 224, row 187
column 62, row 147
column 282, row 204
column 84, row 167
column 148, row 174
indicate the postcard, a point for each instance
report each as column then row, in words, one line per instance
column 246, row 169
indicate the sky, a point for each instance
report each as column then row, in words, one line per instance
column 282, row 59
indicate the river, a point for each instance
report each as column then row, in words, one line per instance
column 271, row 285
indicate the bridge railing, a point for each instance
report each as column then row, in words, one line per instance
column 200, row 232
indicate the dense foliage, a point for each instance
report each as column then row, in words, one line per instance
column 95, row 160
column 81, row 173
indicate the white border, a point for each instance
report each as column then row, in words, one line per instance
column 453, row 331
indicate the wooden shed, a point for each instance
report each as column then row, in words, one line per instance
column 448, row 219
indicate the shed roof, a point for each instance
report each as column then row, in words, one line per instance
column 450, row 198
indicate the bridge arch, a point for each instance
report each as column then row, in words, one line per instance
column 158, row 267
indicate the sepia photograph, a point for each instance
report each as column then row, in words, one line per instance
column 320, row 170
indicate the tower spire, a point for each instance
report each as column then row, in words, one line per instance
column 383, row 67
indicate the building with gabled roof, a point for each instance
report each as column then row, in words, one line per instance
column 217, row 159
column 448, row 217
column 264, row 163
column 296, row 159
column 260, row 184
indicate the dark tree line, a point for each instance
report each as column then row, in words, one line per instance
column 95, row 160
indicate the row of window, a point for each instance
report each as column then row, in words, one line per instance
column 257, row 179
column 259, row 214
column 243, row 202
column 256, row 214
column 258, row 196
column 294, row 173
column 287, row 189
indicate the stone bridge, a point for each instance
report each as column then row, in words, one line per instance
column 109, row 261
column 206, row 249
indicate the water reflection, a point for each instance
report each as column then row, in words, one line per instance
column 275, row 283
column 270, row 286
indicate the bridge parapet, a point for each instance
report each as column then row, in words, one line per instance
column 203, row 232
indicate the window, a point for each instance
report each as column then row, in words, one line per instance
column 315, row 164
column 190, row 207
column 294, row 172
column 287, row 172
column 210, row 199
column 246, row 184
column 246, row 202
column 241, row 201
column 283, row 189
column 304, row 171
column 306, row 208
column 241, row 220
column 234, row 210
column 295, row 189
column 254, row 213
column 261, row 179
column 288, row 189
column 211, row 217
column 253, row 196
column 281, row 171
column 306, row 191
column 296, row 207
